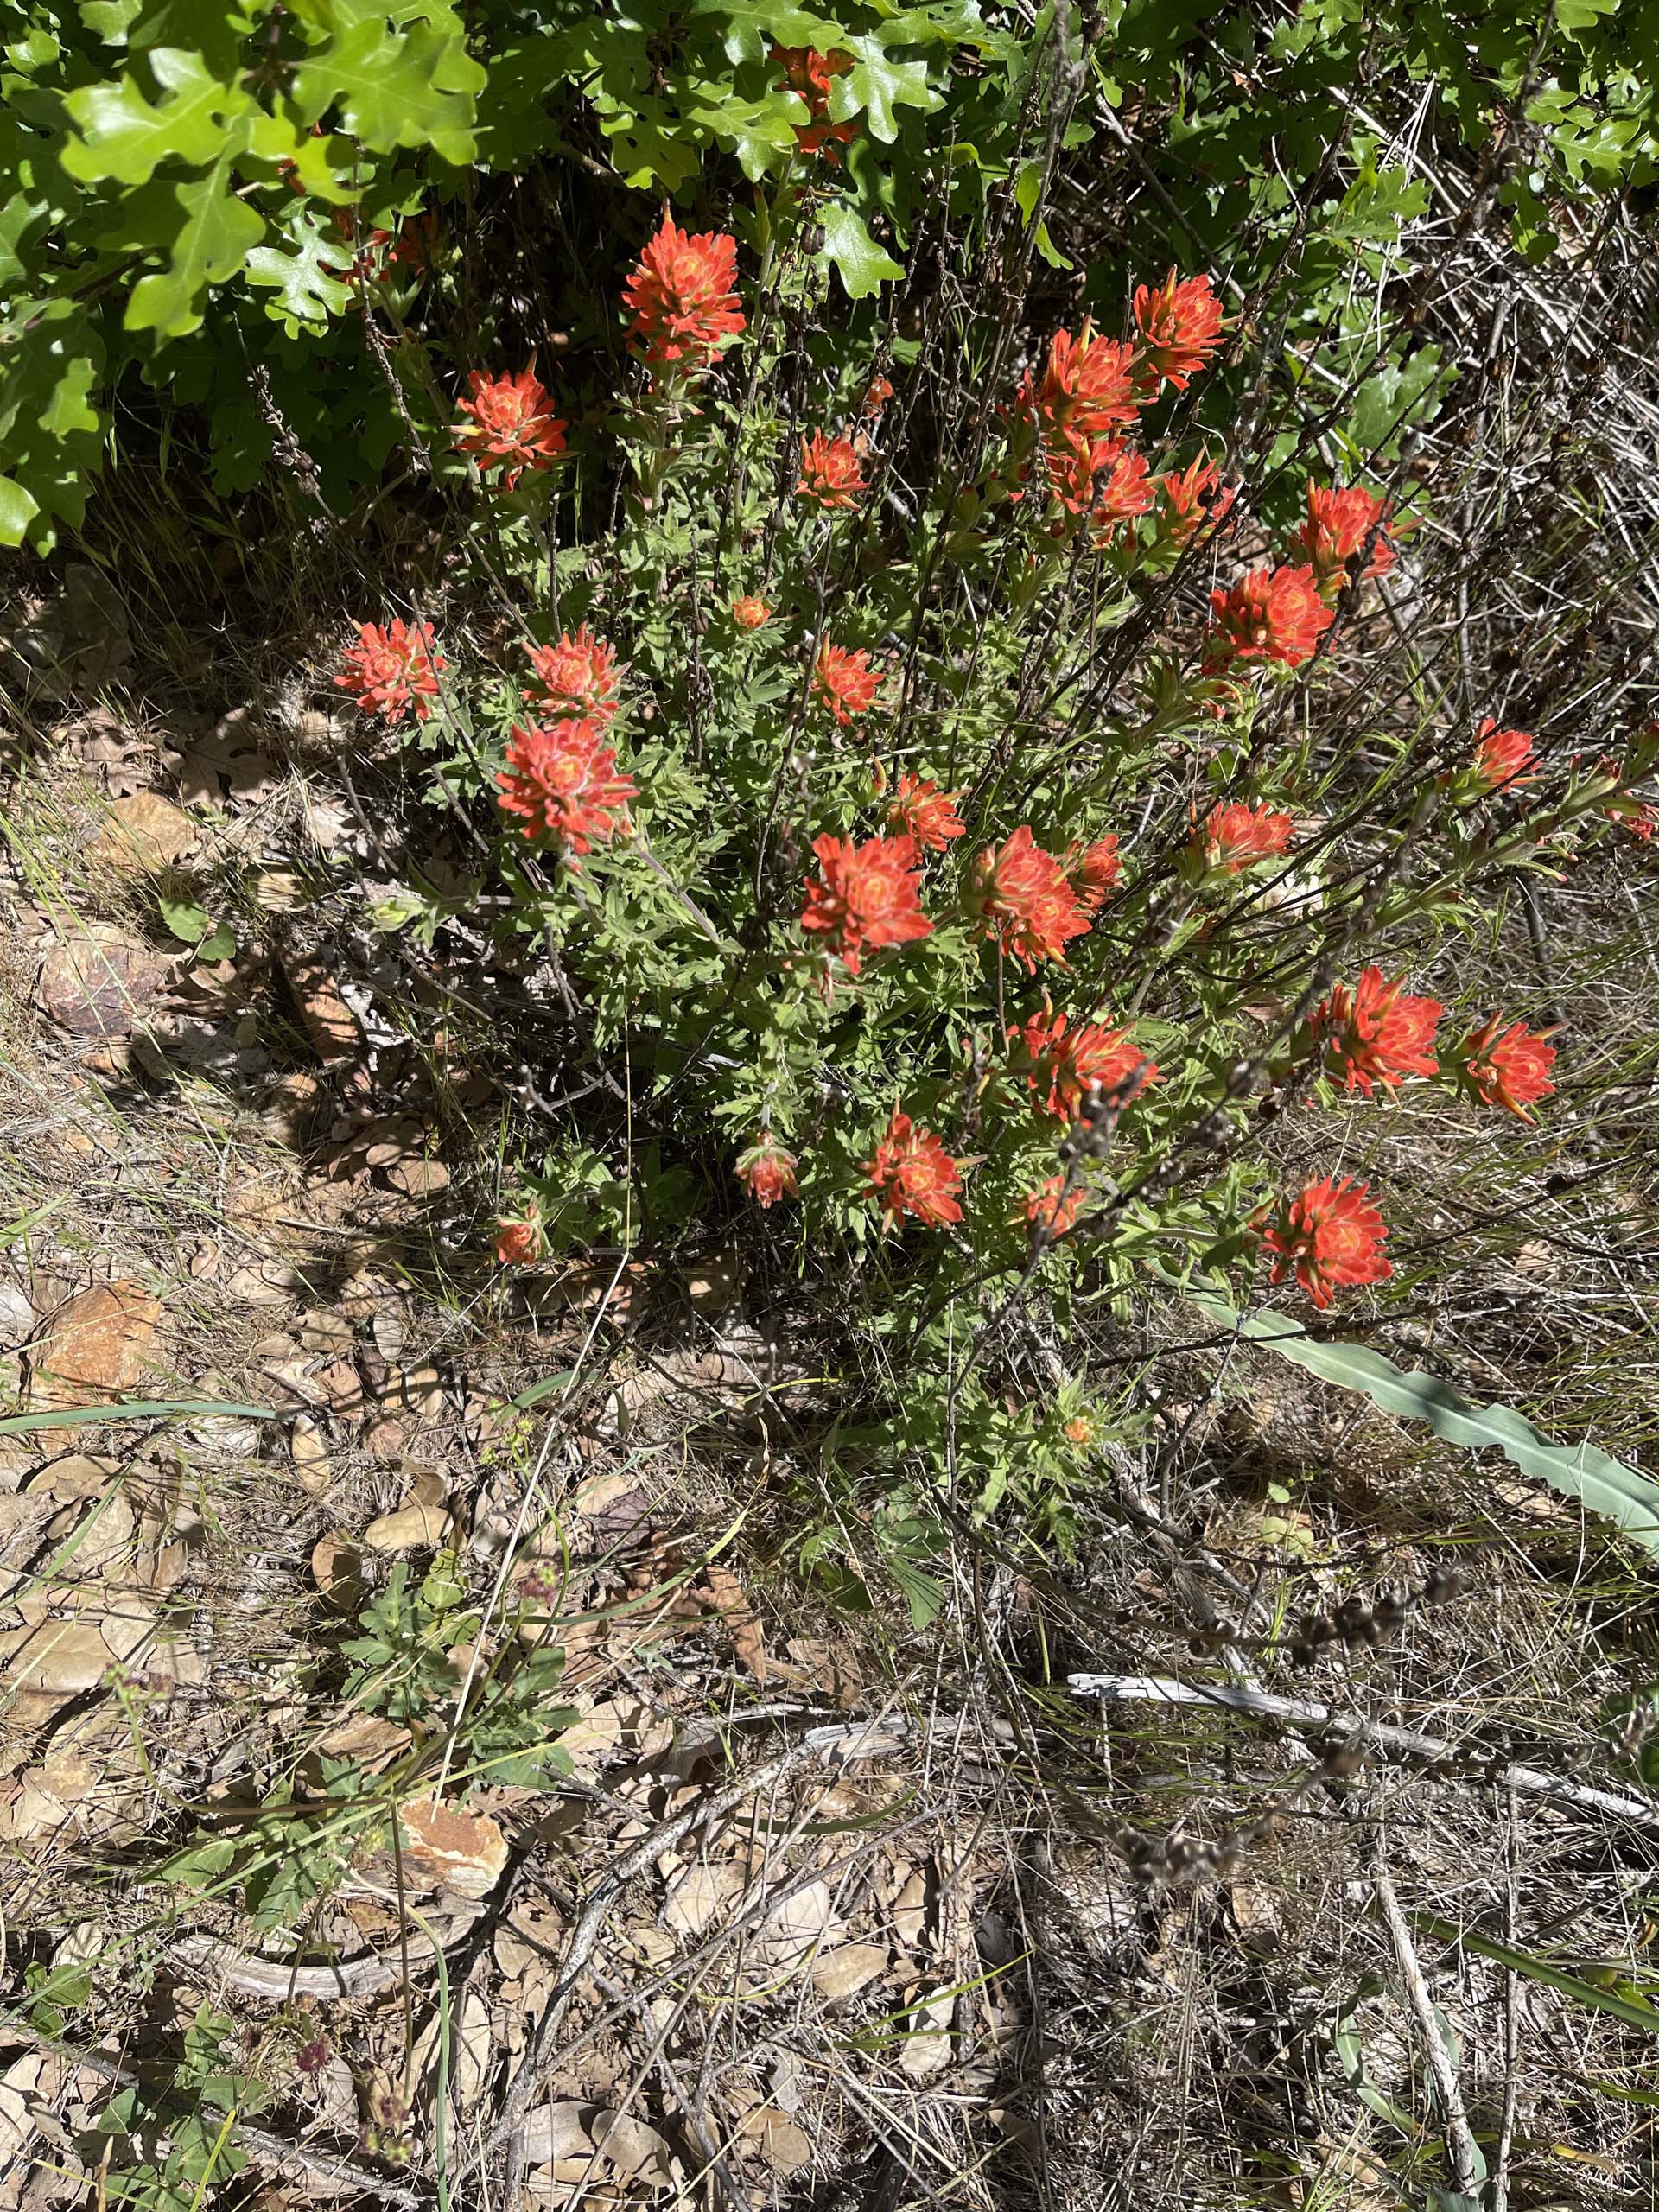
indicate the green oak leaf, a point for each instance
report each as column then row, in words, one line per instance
column 876, row 86
column 413, row 87
column 217, row 235
column 862, row 266
column 306, row 282
column 124, row 136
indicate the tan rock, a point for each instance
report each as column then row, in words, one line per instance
column 337, row 1570
column 142, row 833
column 419, row 1178
column 93, row 1347
column 444, row 1848
column 410, row 1528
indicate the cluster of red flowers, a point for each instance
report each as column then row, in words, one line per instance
column 1341, row 525
column 390, row 670
column 1376, row 1033
column 912, row 1172
column 866, row 896
column 1028, row 901
column 1236, row 835
column 829, row 471
column 809, row 75
column 578, row 677
column 1054, row 1209
column 766, row 1170
column 683, row 295
column 1275, row 614
column 844, row 681
column 1090, row 391
column 1092, row 871
column 511, row 422
column 922, row 811
column 1330, row 1235
column 1065, row 1063
column 750, row 612
column 520, row 1236
column 1506, row 1067
column 1504, row 759
column 561, row 778
column 1191, row 496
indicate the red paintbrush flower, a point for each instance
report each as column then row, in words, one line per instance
column 1092, row 871
column 1052, row 1207
column 749, row 612
column 922, row 811
column 1180, row 327
column 578, row 678
column 1276, row 616
column 1341, row 524
column 809, row 75
column 512, row 421
column 683, row 297
column 1330, row 1235
column 1375, row 1033
column 1029, row 906
column 766, row 1170
column 1237, row 835
column 520, row 1237
column 1066, row 1063
column 1191, row 497
column 844, row 681
column 561, row 778
column 1504, row 759
column 829, row 471
column 866, row 896
column 390, row 670
column 877, row 393
column 1506, row 1067
column 1086, row 392
column 912, row 1172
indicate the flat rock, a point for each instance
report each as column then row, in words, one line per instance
column 96, row 981
column 142, row 833
column 93, row 1347
column 445, row 1849
column 407, row 1529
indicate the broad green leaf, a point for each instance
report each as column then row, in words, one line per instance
column 876, row 86
column 1604, row 1485
column 413, row 87
column 862, row 266
column 188, row 923
column 124, row 136
column 18, row 508
column 18, row 216
column 306, row 282
column 217, row 235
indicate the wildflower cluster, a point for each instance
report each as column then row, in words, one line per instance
column 887, row 907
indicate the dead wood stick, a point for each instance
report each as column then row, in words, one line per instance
column 1459, row 2142
column 1305, row 1717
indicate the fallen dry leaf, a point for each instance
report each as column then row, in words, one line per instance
column 579, row 2140
column 329, row 1022
column 786, row 2148
column 748, row 1643
column 93, row 1347
column 842, row 1972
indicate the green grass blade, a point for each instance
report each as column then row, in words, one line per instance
column 1534, row 1969
column 139, row 1409
column 1606, row 1486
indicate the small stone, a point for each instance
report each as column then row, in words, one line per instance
column 98, row 981
column 329, row 1022
column 141, row 835
column 445, row 1849
column 93, row 1347
column 411, row 1527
